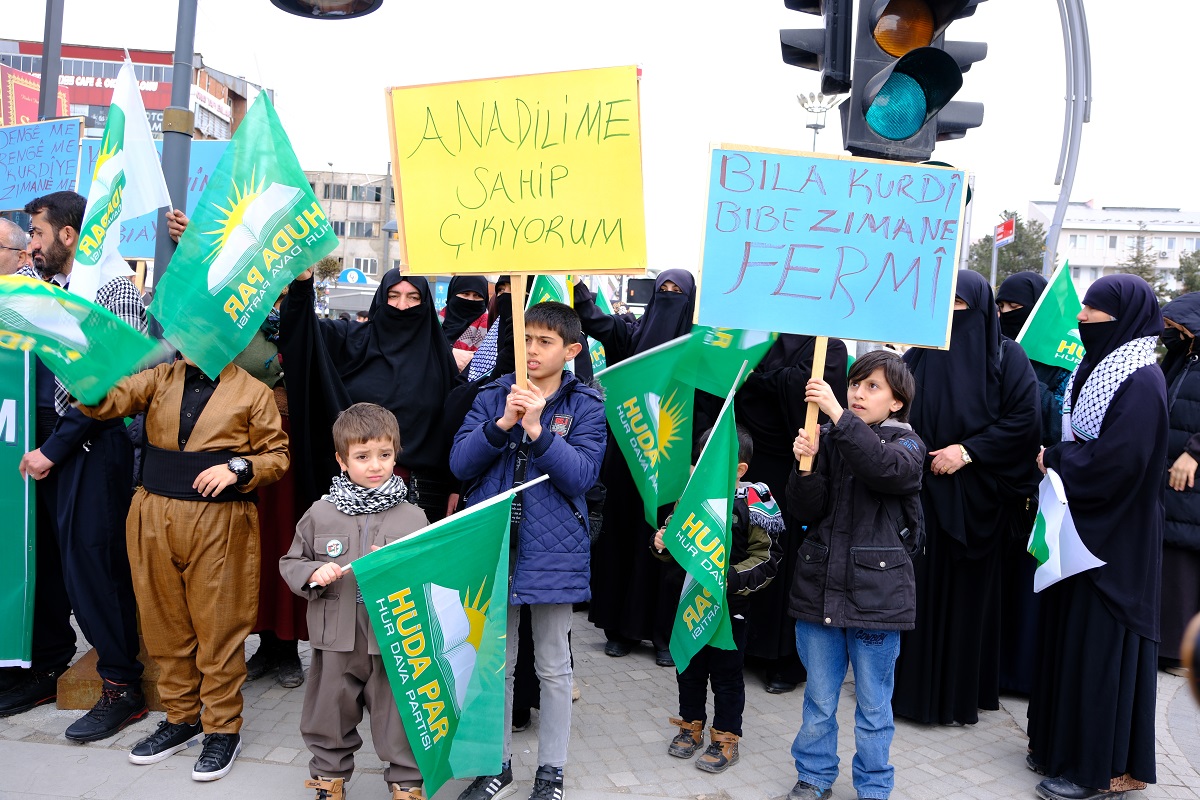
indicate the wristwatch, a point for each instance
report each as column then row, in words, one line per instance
column 239, row 467
column 966, row 457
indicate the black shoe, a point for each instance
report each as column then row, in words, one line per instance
column 806, row 791
column 548, row 784
column 617, row 648
column 117, row 707
column 779, row 686
column 168, row 739
column 37, row 688
column 520, row 719
column 491, row 787
column 663, row 658
column 216, row 759
column 1063, row 789
column 291, row 672
column 10, row 677
column 263, row 662
column 1033, row 765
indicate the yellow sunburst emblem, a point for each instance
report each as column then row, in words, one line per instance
column 671, row 416
column 476, row 615
column 108, row 150
column 242, row 197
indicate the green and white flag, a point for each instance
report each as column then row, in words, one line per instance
column 1055, row 542
column 88, row 347
column 550, row 287
column 698, row 539
column 438, row 602
column 595, row 348
column 1051, row 334
column 257, row 226
column 18, row 544
column 649, row 399
column 127, row 183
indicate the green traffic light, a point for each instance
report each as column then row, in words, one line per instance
column 901, row 99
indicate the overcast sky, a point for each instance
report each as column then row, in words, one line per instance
column 711, row 73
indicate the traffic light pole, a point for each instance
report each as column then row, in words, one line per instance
column 1079, row 100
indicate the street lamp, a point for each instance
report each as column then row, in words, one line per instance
column 817, row 104
column 328, row 9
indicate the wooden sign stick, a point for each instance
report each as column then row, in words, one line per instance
column 518, row 293
column 810, row 417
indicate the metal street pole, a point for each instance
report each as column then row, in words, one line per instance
column 1079, row 109
column 178, row 123
column 995, row 255
column 51, row 60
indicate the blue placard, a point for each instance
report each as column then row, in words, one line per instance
column 37, row 159
column 846, row 247
column 137, row 236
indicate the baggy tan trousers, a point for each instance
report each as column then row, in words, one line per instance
column 195, row 573
column 340, row 686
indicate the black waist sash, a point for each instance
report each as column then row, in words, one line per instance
column 171, row 473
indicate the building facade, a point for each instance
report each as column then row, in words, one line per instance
column 359, row 204
column 1095, row 240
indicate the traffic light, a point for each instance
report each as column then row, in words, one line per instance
column 825, row 50
column 328, row 9
column 905, row 74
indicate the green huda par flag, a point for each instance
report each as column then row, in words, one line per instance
column 257, row 226
column 88, row 347
column 1051, row 334
column 698, row 538
column 18, row 545
column 438, row 602
column 649, row 400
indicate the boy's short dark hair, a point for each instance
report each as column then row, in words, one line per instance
column 895, row 372
column 362, row 422
column 62, row 209
column 745, row 445
column 557, row 317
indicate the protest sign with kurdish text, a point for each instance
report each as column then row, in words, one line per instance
column 846, row 247
column 18, row 544
column 38, row 159
column 528, row 174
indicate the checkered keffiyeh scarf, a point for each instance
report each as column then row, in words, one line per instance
column 1083, row 420
column 350, row 498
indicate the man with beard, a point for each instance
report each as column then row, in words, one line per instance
column 84, row 470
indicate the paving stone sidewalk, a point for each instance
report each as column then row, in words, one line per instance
column 618, row 747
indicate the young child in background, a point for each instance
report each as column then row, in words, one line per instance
column 365, row 509
column 854, row 589
column 754, row 558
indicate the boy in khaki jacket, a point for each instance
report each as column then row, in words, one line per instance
column 365, row 509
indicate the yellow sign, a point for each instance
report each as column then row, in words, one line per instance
column 530, row 174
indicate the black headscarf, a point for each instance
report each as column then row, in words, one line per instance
column 668, row 314
column 1024, row 289
column 1132, row 303
column 1185, row 311
column 460, row 312
column 503, row 280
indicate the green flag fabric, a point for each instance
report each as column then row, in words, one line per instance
column 1051, row 334
column 595, row 348
column 88, row 347
column 257, row 226
column 438, row 602
column 648, row 401
column 18, row 544
column 698, row 539
column 1055, row 541
column 550, row 287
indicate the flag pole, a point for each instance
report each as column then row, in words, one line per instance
column 518, row 291
column 810, row 416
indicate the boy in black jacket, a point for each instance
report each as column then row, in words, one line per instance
column 854, row 589
column 754, row 560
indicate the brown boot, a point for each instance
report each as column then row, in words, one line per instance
column 689, row 739
column 722, row 752
column 327, row 788
column 408, row 793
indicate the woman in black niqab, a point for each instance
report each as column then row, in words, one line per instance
column 461, row 312
column 979, row 397
column 1092, row 710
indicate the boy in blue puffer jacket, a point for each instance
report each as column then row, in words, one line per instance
column 512, row 435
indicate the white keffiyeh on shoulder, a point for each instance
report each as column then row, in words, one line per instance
column 1083, row 421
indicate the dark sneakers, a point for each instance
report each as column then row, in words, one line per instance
column 216, row 759
column 168, row 739
column 548, row 784
column 118, row 706
column 29, row 691
column 806, row 791
column 491, row 787
column 263, row 662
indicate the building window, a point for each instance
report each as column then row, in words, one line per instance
column 1077, row 242
column 1158, row 242
column 1170, row 242
column 1075, row 272
column 339, row 227
column 1112, row 243
column 368, row 265
column 395, row 263
column 1094, row 273
column 1099, row 242
column 335, row 191
column 1189, row 244
column 361, row 230
column 366, row 194
column 1131, row 241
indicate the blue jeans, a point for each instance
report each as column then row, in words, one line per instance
column 825, row 652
